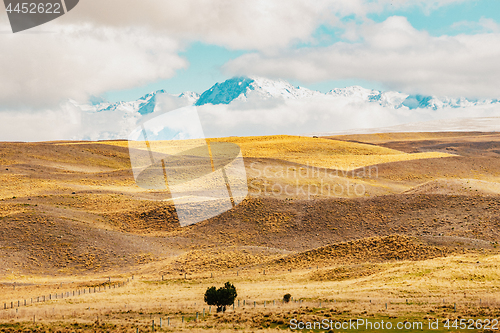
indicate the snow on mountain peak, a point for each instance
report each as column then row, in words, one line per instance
column 239, row 88
column 254, row 87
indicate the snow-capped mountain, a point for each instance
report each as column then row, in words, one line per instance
column 399, row 100
column 258, row 106
column 357, row 93
column 240, row 88
column 144, row 105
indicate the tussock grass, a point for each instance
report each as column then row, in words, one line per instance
column 318, row 152
column 419, row 290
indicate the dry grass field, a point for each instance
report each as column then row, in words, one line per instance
column 400, row 227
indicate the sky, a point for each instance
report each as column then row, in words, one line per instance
column 449, row 19
column 120, row 50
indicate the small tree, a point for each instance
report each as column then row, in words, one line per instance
column 286, row 298
column 222, row 297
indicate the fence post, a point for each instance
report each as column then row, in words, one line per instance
column 161, row 324
column 153, row 325
column 254, row 304
column 455, row 307
column 168, row 321
column 203, row 312
column 196, row 316
column 183, row 319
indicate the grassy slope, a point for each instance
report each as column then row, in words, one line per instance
column 119, row 221
column 318, row 152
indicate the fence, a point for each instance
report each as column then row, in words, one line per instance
column 64, row 295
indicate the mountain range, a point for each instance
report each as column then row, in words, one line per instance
column 243, row 88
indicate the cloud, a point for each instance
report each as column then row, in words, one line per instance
column 426, row 5
column 256, row 24
column 76, row 61
column 66, row 122
column 118, row 44
column 321, row 114
column 255, row 116
column 248, row 24
column 395, row 54
column 484, row 25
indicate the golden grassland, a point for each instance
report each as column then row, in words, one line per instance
column 91, row 183
column 318, row 152
column 409, row 136
column 412, row 290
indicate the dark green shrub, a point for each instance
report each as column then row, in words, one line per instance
column 222, row 297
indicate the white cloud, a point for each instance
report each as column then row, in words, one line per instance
column 255, row 24
column 255, row 116
column 117, row 44
column 247, row 24
column 426, row 5
column 484, row 25
column 395, row 54
column 66, row 122
column 321, row 114
column 75, row 61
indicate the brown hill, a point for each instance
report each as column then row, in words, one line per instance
column 74, row 207
column 373, row 249
column 457, row 186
